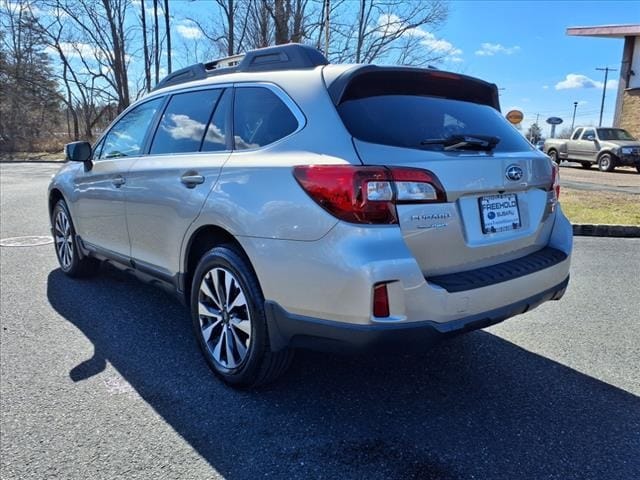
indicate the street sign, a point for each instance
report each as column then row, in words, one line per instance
column 554, row 121
column 514, row 116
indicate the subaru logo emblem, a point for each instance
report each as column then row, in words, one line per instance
column 514, row 172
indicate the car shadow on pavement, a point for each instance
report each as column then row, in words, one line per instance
column 474, row 407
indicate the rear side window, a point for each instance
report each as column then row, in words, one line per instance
column 408, row 120
column 126, row 137
column 260, row 118
column 215, row 140
column 184, row 121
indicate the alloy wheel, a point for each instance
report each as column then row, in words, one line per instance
column 225, row 321
column 64, row 239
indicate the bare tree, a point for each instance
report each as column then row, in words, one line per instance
column 395, row 31
column 145, row 47
column 167, row 28
column 227, row 27
column 101, row 42
column 156, row 41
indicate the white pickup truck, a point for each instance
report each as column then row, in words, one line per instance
column 607, row 147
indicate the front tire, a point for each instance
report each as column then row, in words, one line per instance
column 553, row 155
column 66, row 244
column 606, row 163
column 227, row 311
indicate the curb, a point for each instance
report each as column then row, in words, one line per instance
column 623, row 231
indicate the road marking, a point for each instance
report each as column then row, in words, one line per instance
column 26, row 241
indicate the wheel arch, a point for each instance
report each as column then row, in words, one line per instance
column 614, row 157
column 55, row 195
column 201, row 241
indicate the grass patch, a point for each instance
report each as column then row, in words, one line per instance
column 585, row 206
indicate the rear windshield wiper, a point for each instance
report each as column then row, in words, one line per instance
column 466, row 142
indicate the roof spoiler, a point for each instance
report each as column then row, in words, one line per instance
column 369, row 80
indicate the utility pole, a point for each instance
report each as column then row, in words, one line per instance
column 606, row 71
column 573, row 120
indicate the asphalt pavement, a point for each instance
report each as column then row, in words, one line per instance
column 102, row 378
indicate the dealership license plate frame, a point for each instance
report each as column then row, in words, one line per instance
column 496, row 225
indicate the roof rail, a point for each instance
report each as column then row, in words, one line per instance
column 292, row 56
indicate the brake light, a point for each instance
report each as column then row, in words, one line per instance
column 367, row 194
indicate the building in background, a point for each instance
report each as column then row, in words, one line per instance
column 627, row 114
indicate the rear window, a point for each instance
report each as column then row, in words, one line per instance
column 614, row 134
column 407, row 120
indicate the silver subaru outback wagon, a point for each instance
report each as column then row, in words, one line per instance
column 296, row 204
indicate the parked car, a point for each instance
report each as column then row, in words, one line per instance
column 606, row 147
column 297, row 204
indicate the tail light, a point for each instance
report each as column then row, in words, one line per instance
column 368, row 194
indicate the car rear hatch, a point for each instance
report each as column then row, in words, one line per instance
column 498, row 199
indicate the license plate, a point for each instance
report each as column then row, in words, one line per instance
column 499, row 213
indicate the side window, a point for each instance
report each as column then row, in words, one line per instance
column 576, row 134
column 184, row 121
column 215, row 140
column 95, row 153
column 587, row 132
column 260, row 118
column 125, row 139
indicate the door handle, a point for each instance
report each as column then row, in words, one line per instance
column 191, row 179
column 118, row 181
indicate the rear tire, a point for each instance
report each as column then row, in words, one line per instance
column 586, row 165
column 227, row 311
column 553, row 155
column 66, row 244
column 606, row 163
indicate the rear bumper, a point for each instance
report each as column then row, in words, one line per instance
column 290, row 330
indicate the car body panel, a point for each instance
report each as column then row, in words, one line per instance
column 99, row 204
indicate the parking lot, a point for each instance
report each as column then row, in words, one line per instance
column 102, row 378
column 622, row 179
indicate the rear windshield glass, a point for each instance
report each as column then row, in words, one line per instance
column 614, row 134
column 408, row 120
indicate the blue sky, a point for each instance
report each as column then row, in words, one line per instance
column 537, row 55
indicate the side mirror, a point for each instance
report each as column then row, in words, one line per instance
column 78, row 151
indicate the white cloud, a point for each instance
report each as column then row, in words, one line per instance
column 574, row 80
column 189, row 31
column 76, row 50
column 491, row 49
column 545, row 87
column 390, row 23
